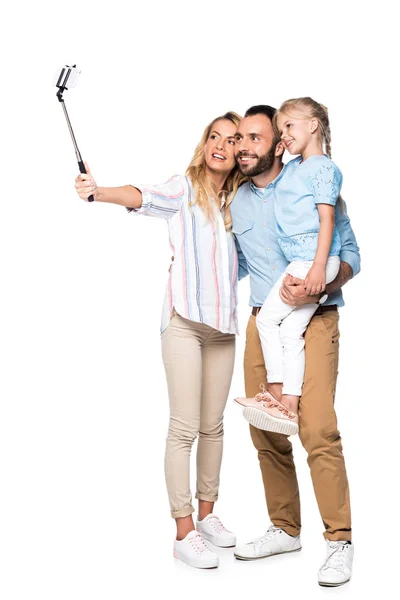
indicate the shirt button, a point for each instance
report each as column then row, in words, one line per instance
column 268, row 249
column 265, row 199
column 273, row 268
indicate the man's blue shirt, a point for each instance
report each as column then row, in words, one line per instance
column 260, row 256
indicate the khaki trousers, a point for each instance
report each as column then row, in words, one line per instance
column 317, row 431
column 198, row 363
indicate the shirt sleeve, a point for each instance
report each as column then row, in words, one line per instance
column 326, row 184
column 350, row 252
column 243, row 268
column 162, row 200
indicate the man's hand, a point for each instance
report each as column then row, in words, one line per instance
column 293, row 292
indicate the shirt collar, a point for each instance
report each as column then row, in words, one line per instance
column 258, row 191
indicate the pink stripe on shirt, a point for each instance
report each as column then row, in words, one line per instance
column 185, row 292
column 234, row 286
column 161, row 194
column 214, row 264
column 170, row 281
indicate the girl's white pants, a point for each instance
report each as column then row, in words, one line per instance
column 281, row 328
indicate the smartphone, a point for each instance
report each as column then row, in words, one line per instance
column 66, row 77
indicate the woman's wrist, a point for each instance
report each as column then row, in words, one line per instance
column 125, row 195
column 113, row 195
column 100, row 195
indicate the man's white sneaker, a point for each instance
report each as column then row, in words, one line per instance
column 336, row 569
column 212, row 530
column 193, row 551
column 275, row 541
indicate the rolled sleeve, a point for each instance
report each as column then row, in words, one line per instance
column 350, row 252
column 161, row 200
column 351, row 259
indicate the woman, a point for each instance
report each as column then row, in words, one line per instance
column 198, row 324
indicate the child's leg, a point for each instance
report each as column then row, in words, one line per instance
column 268, row 320
column 292, row 337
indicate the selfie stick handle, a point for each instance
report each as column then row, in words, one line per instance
column 78, row 154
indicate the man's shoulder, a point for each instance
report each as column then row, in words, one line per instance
column 243, row 191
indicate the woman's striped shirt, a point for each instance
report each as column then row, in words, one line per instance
column 202, row 283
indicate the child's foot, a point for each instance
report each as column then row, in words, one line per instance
column 265, row 412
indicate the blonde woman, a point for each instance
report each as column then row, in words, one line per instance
column 198, row 324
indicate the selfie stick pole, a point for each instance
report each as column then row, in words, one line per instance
column 62, row 85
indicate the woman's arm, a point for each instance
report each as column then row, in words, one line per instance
column 125, row 195
column 162, row 200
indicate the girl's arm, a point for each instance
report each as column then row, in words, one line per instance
column 325, row 185
column 293, row 292
column 316, row 277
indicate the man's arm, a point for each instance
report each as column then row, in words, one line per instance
column 293, row 292
column 243, row 268
column 344, row 275
column 349, row 250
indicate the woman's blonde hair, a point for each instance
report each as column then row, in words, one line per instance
column 207, row 196
column 308, row 108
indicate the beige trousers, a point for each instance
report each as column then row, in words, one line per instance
column 318, row 433
column 198, row 363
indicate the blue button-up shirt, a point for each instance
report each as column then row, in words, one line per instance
column 260, row 256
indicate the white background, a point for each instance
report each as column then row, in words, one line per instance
column 84, row 412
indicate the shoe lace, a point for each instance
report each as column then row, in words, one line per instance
column 270, row 402
column 263, row 395
column 337, row 555
column 217, row 525
column 198, row 543
column 271, row 533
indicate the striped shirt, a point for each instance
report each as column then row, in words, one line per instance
column 202, row 283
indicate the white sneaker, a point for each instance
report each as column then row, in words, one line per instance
column 212, row 530
column 275, row 541
column 336, row 570
column 193, row 551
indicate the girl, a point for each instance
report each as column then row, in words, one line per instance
column 198, row 324
column 305, row 198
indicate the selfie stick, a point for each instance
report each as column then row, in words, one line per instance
column 65, row 80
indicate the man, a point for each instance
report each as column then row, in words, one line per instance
column 259, row 155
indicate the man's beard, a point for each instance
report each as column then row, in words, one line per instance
column 264, row 163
